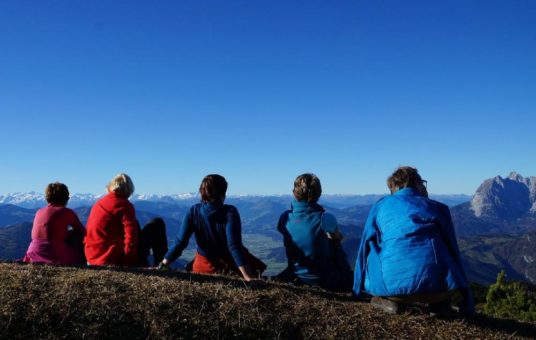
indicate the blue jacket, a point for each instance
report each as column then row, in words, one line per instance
column 218, row 233
column 306, row 244
column 408, row 247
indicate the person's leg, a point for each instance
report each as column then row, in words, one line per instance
column 438, row 303
column 338, row 279
column 428, row 298
column 153, row 236
column 255, row 263
column 339, row 276
column 387, row 305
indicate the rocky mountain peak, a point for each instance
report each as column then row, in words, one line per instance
column 505, row 198
column 515, row 176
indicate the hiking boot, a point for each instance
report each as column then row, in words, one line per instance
column 443, row 310
column 386, row 305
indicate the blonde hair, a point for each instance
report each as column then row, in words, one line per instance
column 121, row 185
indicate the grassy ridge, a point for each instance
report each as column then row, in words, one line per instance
column 55, row 302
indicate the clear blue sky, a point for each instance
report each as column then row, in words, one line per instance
column 261, row 91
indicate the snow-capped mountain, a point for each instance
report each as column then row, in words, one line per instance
column 28, row 200
column 31, row 200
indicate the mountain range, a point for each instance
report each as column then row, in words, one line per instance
column 34, row 199
column 496, row 227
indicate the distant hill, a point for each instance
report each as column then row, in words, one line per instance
column 485, row 256
column 14, row 240
column 11, row 214
column 49, row 302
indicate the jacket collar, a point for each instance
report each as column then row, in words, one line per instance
column 407, row 192
column 302, row 206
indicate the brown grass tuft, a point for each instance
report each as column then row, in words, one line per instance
column 59, row 302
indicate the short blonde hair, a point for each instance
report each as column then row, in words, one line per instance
column 121, row 185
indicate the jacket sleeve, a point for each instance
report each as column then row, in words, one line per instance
column 329, row 223
column 287, row 240
column 370, row 232
column 78, row 227
column 181, row 242
column 449, row 235
column 131, row 231
column 233, row 231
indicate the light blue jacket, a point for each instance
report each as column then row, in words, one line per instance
column 408, row 247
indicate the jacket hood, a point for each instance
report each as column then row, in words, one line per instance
column 211, row 208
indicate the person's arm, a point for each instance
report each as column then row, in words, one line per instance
column 181, row 242
column 131, row 230
column 331, row 228
column 78, row 227
column 449, row 235
column 287, row 240
column 233, row 231
column 369, row 232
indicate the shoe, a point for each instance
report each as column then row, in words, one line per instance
column 442, row 310
column 386, row 305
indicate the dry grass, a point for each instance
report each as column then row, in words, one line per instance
column 59, row 302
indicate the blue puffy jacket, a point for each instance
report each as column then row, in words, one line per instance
column 409, row 247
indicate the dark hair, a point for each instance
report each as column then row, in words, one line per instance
column 404, row 177
column 307, row 188
column 213, row 188
column 57, row 193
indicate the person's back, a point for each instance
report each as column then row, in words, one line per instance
column 414, row 247
column 312, row 240
column 112, row 229
column 52, row 223
column 218, row 232
column 408, row 251
column 53, row 227
column 216, row 229
column 309, row 249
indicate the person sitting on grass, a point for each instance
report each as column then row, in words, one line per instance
column 408, row 252
column 57, row 232
column 113, row 232
column 313, row 241
column 218, row 232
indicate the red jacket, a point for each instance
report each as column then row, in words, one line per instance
column 112, row 233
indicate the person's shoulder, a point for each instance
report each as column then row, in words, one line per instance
column 329, row 217
column 195, row 208
column 384, row 200
column 438, row 205
column 68, row 211
column 281, row 224
column 285, row 214
column 43, row 209
column 329, row 222
column 230, row 209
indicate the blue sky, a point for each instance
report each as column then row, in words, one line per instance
column 261, row 91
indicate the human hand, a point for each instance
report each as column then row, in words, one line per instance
column 163, row 266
